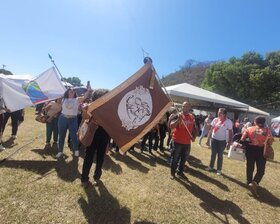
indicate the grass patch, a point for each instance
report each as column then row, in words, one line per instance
column 36, row 188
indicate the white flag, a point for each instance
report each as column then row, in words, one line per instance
column 45, row 87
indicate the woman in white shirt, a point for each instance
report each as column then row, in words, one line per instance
column 218, row 135
column 68, row 119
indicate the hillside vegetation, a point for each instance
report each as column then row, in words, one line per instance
column 253, row 79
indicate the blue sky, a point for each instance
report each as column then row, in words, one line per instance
column 102, row 40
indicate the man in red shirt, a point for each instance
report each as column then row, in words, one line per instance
column 184, row 132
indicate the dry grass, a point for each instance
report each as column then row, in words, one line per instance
column 36, row 188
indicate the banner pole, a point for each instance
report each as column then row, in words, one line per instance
column 62, row 78
column 149, row 60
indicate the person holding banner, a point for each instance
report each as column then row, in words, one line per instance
column 218, row 134
column 184, row 132
column 98, row 146
column 68, row 119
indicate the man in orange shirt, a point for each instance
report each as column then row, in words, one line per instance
column 184, row 132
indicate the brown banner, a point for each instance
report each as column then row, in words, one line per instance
column 130, row 110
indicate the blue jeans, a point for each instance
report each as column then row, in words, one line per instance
column 217, row 148
column 52, row 128
column 71, row 124
column 180, row 152
column 204, row 133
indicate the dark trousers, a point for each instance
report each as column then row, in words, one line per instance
column 150, row 136
column 162, row 135
column 15, row 118
column 98, row 146
column 180, row 152
column 217, row 148
column 254, row 155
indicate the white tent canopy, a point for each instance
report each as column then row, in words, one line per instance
column 276, row 119
column 275, row 126
column 254, row 110
column 182, row 91
column 185, row 90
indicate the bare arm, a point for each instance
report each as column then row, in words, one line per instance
column 175, row 123
column 83, row 98
column 230, row 135
column 209, row 136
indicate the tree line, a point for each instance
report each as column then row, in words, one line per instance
column 252, row 78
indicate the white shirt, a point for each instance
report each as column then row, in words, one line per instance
column 220, row 128
column 70, row 106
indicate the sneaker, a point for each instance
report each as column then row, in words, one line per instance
column 209, row 168
column 76, row 153
column 219, row 172
column 58, row 155
column 2, row 147
column 253, row 188
column 95, row 182
column 13, row 136
column 47, row 144
column 172, row 176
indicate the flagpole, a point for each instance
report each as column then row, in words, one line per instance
column 149, row 60
column 50, row 57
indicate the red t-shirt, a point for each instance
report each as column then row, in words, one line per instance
column 257, row 135
column 180, row 133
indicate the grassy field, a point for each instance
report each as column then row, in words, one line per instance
column 36, row 188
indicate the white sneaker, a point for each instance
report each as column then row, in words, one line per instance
column 219, row 172
column 13, row 136
column 2, row 147
column 58, row 155
column 76, row 153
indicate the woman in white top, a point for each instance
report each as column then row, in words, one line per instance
column 68, row 119
column 218, row 134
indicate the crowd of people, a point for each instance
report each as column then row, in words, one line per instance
column 180, row 128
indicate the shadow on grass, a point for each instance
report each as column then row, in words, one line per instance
column 65, row 171
column 38, row 167
column 10, row 143
column 144, row 157
column 265, row 196
column 160, row 158
column 212, row 204
column 68, row 171
column 101, row 207
column 110, row 165
column 268, row 198
column 46, row 152
column 206, row 178
column 132, row 164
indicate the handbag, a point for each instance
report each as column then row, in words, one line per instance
column 268, row 151
column 86, row 131
column 42, row 118
column 236, row 152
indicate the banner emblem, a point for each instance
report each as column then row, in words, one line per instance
column 135, row 108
